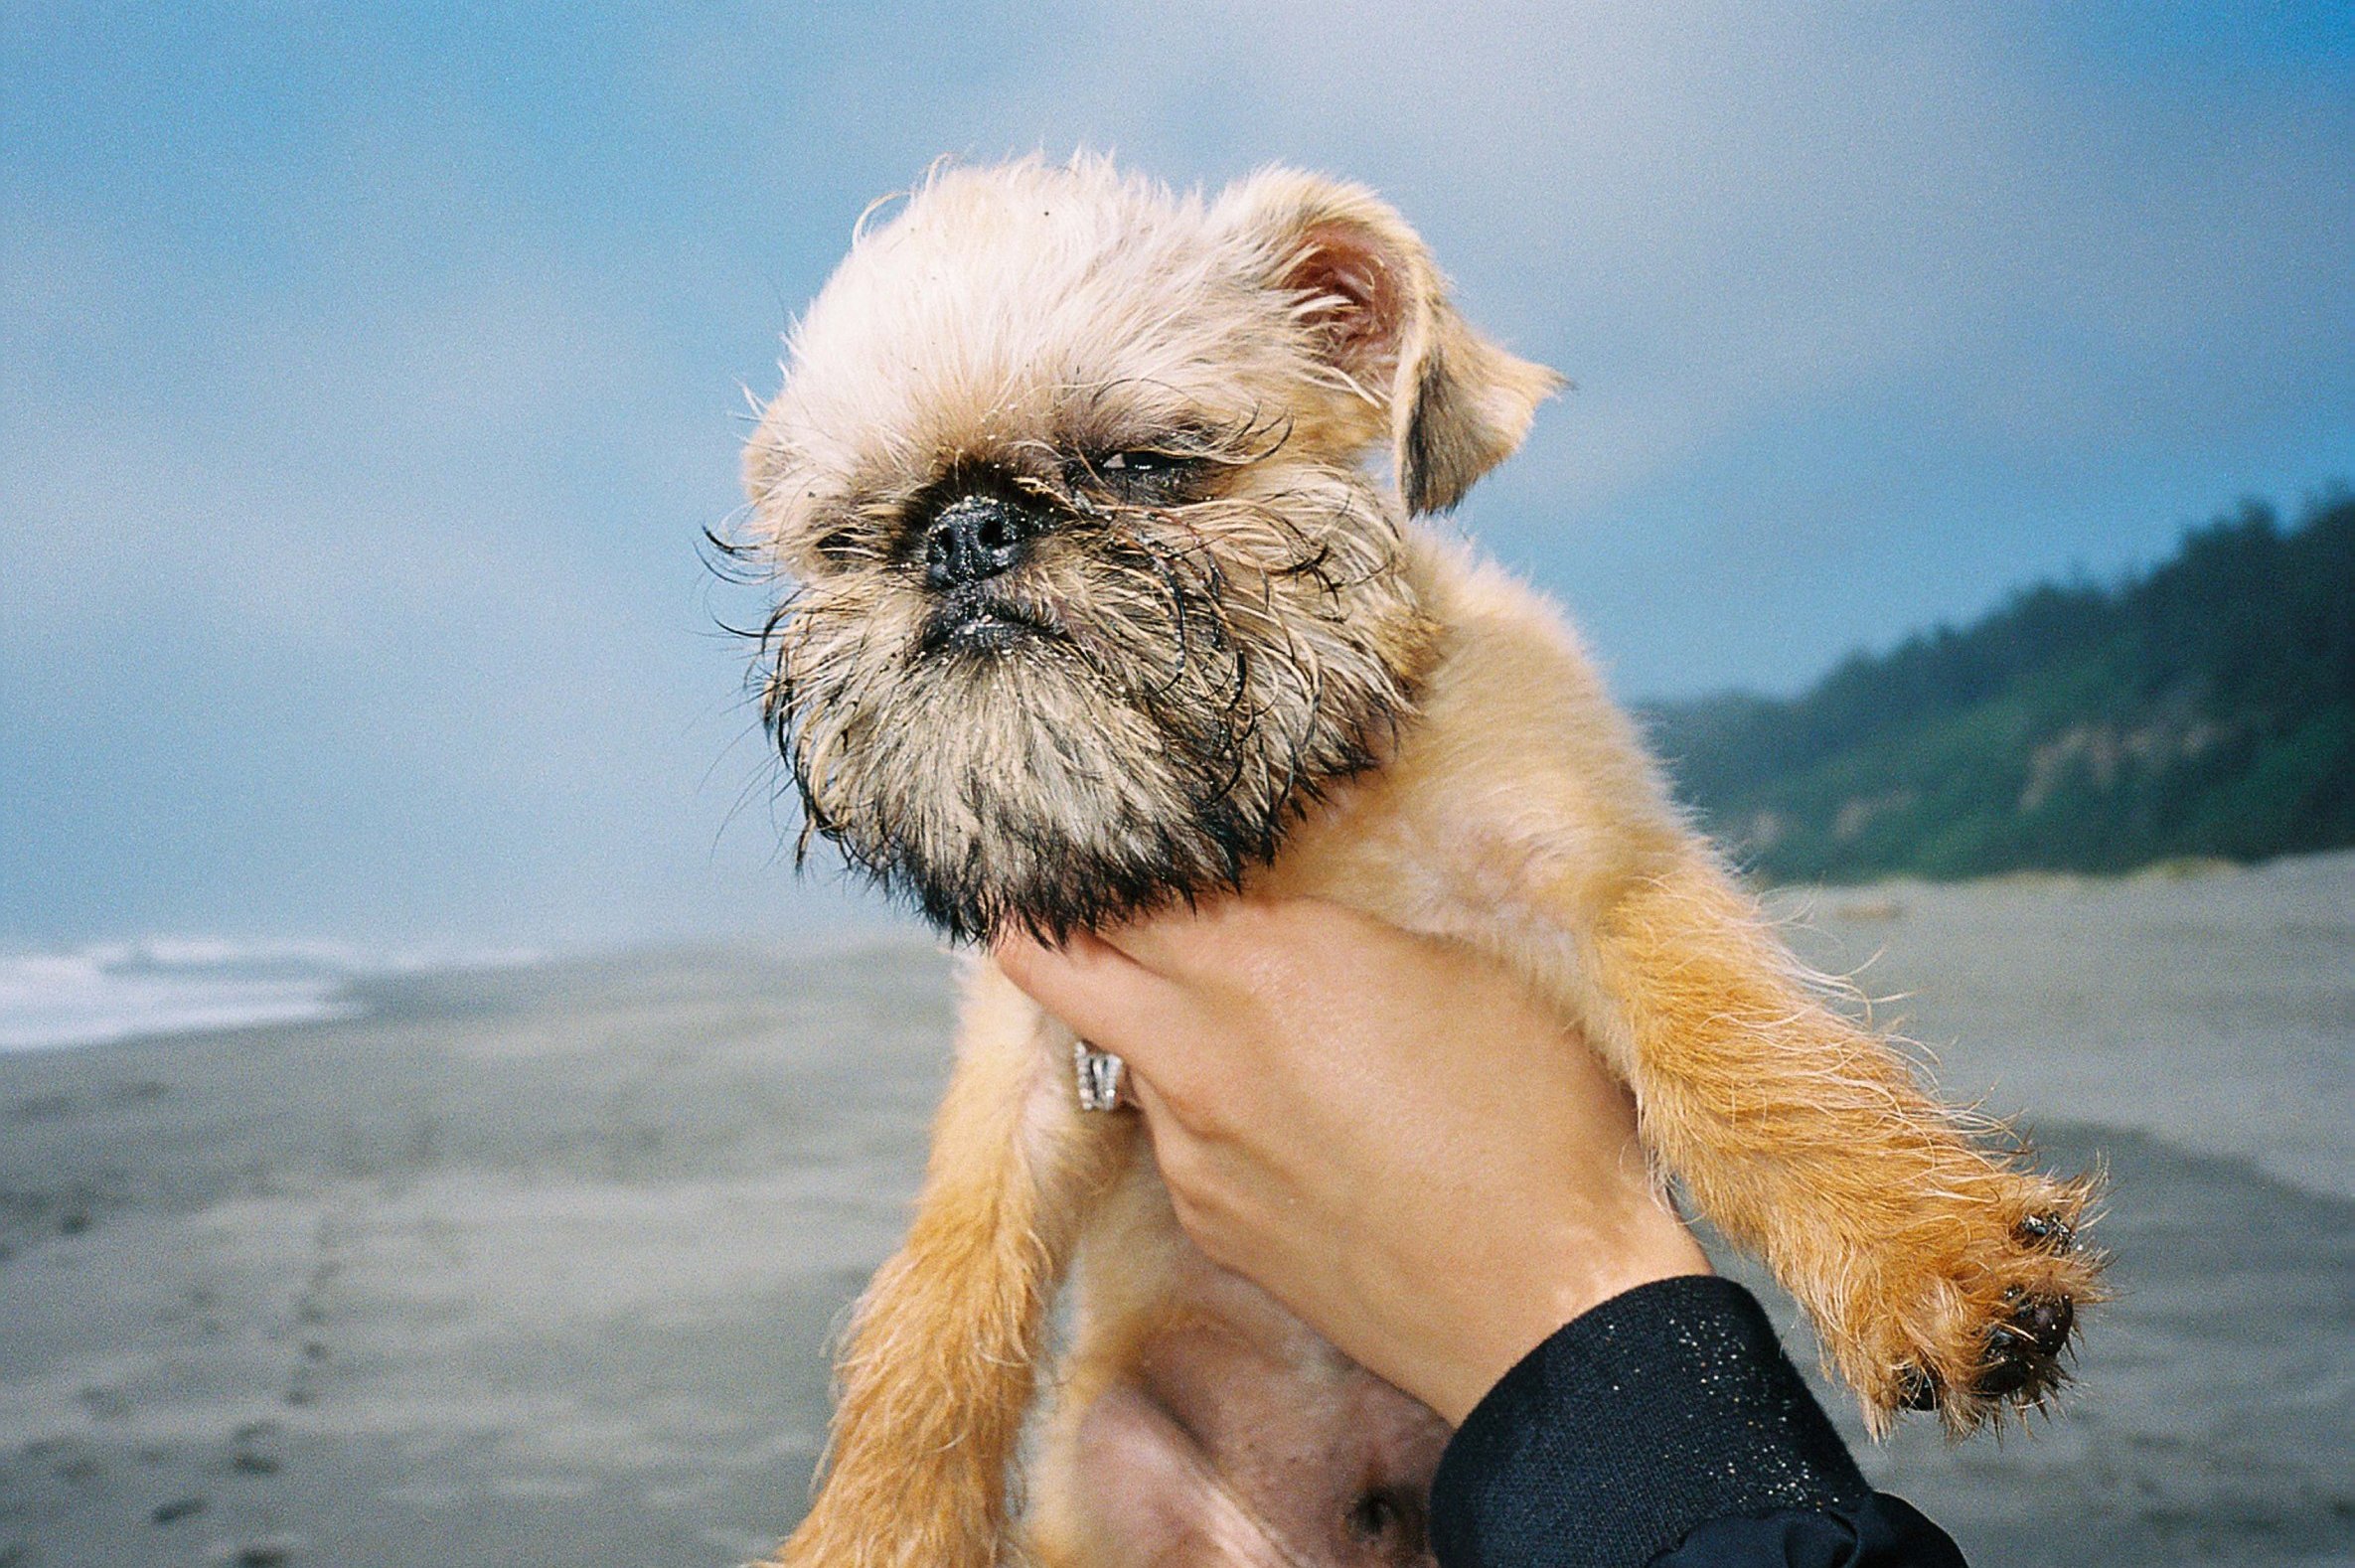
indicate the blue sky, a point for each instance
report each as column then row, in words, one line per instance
column 367, row 376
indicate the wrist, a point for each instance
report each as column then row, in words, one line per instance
column 1519, row 1310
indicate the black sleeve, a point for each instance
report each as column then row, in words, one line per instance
column 1665, row 1427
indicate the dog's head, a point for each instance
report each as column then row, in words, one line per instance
column 1092, row 587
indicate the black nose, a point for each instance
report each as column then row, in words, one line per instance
column 974, row 538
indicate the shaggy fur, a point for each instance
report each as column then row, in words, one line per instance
column 1218, row 653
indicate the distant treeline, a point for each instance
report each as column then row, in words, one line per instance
column 2204, row 709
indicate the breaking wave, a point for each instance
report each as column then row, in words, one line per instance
column 115, row 990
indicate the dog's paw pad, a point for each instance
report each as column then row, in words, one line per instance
column 2045, row 1320
column 2020, row 1362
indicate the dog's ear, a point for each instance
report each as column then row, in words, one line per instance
column 1366, row 286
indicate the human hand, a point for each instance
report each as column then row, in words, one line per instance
column 1386, row 1132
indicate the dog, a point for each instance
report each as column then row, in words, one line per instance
column 1105, row 512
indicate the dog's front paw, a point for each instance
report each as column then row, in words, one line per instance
column 1974, row 1318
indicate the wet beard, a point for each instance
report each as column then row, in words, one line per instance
column 1052, row 807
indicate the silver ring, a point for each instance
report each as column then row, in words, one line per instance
column 1099, row 1073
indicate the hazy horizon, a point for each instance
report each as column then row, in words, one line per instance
column 370, row 379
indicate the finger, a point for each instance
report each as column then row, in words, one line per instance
column 1196, row 940
column 1104, row 995
column 1175, row 1152
column 1148, row 941
column 1139, row 1091
column 1164, row 1103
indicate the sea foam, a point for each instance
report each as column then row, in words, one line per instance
column 113, row 990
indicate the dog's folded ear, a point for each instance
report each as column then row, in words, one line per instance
column 1377, row 311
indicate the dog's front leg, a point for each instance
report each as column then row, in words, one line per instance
column 1936, row 1269
column 937, row 1370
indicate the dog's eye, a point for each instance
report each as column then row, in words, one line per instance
column 839, row 546
column 1144, row 464
column 1139, row 471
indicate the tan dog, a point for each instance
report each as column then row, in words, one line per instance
column 1098, row 606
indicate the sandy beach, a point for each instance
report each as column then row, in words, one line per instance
column 537, row 1264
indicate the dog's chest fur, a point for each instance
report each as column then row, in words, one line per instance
column 1509, row 797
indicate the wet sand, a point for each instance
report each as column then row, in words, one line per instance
column 537, row 1266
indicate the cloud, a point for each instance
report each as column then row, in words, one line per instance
column 1710, row 213
column 371, row 375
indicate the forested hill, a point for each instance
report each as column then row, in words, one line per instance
column 2204, row 709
